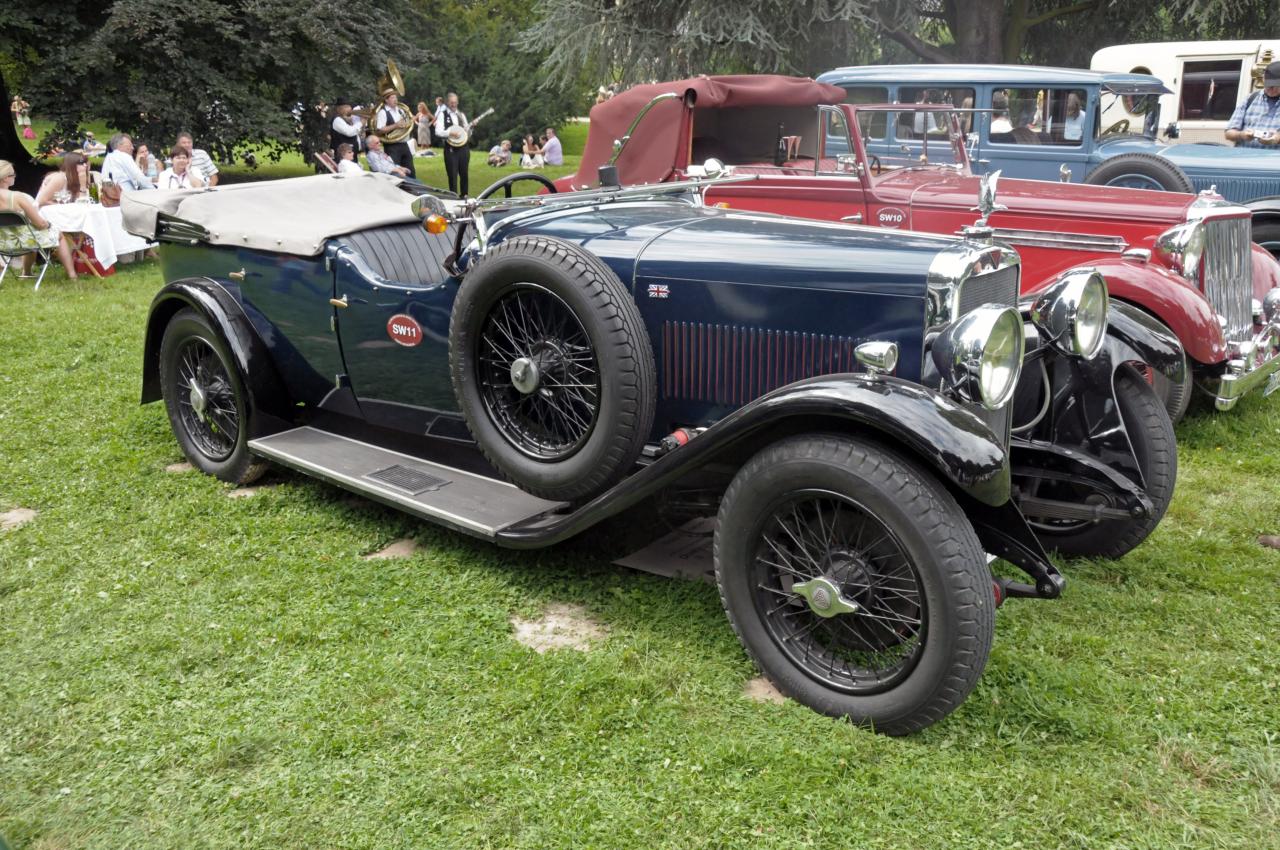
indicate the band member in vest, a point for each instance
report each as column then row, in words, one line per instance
column 390, row 120
column 345, row 127
column 457, row 161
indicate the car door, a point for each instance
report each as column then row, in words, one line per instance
column 393, row 300
column 1034, row 133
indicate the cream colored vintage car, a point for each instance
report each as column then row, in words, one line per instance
column 1209, row 79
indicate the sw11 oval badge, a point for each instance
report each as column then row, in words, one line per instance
column 405, row 330
column 891, row 217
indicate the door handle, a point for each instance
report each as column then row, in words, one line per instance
column 339, row 302
column 237, row 275
column 856, row 218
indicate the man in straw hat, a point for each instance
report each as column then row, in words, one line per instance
column 390, row 120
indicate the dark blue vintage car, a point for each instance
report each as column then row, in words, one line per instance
column 865, row 412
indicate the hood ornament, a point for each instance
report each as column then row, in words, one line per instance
column 987, row 199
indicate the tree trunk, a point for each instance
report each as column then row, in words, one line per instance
column 27, row 172
column 978, row 29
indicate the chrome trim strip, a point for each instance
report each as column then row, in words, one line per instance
column 1066, row 241
column 1243, row 376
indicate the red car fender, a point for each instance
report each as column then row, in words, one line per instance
column 1166, row 296
column 1266, row 272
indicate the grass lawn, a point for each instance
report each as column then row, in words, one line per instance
column 183, row 669
column 429, row 170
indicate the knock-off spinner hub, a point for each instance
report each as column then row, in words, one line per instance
column 524, row 375
column 824, row 597
column 199, row 400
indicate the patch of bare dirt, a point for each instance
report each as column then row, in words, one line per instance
column 402, row 548
column 761, row 689
column 561, row 626
column 1271, row 541
column 244, row 492
column 15, row 518
column 179, row 467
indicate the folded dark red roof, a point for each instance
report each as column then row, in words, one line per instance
column 651, row 153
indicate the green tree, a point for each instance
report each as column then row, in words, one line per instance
column 474, row 42
column 233, row 72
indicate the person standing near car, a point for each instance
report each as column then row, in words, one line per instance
column 1256, row 122
column 457, row 160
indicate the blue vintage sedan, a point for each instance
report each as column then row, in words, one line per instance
column 846, row 403
column 1045, row 124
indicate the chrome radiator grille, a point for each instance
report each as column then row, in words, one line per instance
column 997, row 287
column 1228, row 274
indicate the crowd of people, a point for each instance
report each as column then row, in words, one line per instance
column 390, row 137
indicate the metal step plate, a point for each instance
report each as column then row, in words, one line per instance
column 462, row 500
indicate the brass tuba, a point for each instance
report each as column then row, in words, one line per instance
column 393, row 81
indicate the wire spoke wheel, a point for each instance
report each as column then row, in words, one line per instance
column 538, row 374
column 838, row 592
column 206, row 399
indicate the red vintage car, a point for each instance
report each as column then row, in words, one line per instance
column 1184, row 259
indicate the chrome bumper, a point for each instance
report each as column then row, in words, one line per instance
column 1251, row 364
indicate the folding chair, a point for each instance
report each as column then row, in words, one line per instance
column 17, row 222
column 327, row 161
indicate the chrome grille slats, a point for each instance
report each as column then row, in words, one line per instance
column 996, row 287
column 1227, row 274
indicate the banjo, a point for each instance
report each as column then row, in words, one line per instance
column 457, row 136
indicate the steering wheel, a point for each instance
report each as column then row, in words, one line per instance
column 507, row 182
column 875, row 166
column 1121, row 126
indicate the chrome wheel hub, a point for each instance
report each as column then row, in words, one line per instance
column 199, row 400
column 524, row 375
column 825, row 597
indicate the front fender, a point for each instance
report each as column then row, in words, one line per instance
column 1134, row 335
column 935, row 431
column 1266, row 271
column 268, row 398
column 1170, row 299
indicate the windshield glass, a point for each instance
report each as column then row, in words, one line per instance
column 917, row 138
column 1137, row 115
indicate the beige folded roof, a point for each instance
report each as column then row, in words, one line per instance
column 293, row 216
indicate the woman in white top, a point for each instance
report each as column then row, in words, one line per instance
column 179, row 175
column 41, row 234
column 1073, row 124
column 69, row 184
column 532, row 154
column 347, row 160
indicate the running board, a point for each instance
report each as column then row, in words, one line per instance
column 467, row 502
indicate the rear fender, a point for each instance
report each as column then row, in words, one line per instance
column 1170, row 299
column 270, row 405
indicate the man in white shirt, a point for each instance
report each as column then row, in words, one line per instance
column 201, row 162
column 390, row 120
column 552, row 153
column 120, row 168
column 457, row 160
column 345, row 127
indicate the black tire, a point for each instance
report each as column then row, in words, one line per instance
column 1151, row 434
column 1176, row 396
column 1267, row 234
column 573, row 438
column 214, row 438
column 941, row 571
column 1144, row 167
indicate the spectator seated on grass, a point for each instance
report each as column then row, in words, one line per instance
column 24, row 240
column 347, row 160
column 552, row 153
column 500, row 155
column 531, row 156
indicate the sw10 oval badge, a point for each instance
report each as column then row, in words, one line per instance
column 405, row 330
column 891, row 217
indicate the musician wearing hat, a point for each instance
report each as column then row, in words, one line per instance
column 394, row 126
column 457, row 158
column 345, row 127
column 1256, row 122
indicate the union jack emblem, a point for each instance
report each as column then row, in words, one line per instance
column 659, row 290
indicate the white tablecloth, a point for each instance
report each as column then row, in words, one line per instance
column 89, row 219
column 124, row 241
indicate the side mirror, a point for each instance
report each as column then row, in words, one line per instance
column 607, row 176
column 849, row 162
column 424, row 206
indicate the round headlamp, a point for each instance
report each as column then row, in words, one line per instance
column 980, row 355
column 1072, row 313
column 1181, row 248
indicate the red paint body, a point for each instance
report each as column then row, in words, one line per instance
column 941, row 199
